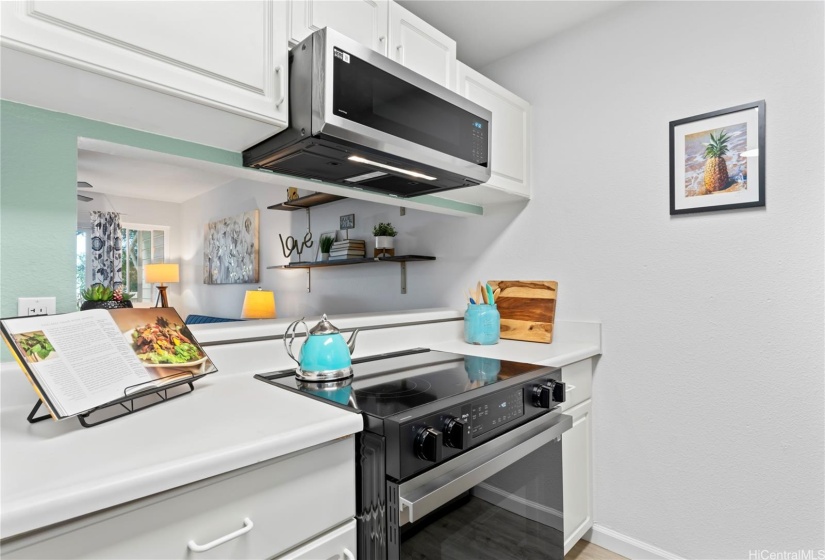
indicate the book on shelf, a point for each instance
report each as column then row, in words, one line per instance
column 77, row 362
column 347, row 256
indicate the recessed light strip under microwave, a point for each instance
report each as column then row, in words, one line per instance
column 391, row 168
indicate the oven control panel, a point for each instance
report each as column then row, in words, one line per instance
column 434, row 438
column 496, row 410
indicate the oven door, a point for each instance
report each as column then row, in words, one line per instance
column 501, row 500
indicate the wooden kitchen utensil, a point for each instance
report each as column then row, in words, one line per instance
column 527, row 308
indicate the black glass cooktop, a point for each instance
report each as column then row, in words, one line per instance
column 389, row 384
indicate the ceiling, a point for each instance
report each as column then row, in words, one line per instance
column 148, row 180
column 488, row 30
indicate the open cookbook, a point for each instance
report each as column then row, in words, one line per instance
column 79, row 361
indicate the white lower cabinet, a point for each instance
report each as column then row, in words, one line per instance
column 577, row 463
column 266, row 509
column 339, row 544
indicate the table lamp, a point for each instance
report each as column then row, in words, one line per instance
column 158, row 274
column 258, row 304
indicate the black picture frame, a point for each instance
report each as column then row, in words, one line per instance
column 686, row 137
column 347, row 221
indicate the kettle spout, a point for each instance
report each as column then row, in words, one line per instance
column 351, row 342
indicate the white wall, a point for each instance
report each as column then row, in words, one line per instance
column 708, row 400
column 458, row 243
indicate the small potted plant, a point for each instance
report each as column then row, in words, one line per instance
column 326, row 245
column 384, row 233
column 101, row 297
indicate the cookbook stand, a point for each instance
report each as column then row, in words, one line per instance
column 134, row 400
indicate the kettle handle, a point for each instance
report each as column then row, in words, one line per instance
column 289, row 337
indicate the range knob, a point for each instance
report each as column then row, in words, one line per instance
column 428, row 443
column 455, row 433
column 549, row 394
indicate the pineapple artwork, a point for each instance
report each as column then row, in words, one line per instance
column 713, row 161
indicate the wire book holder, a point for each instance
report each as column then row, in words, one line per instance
column 134, row 400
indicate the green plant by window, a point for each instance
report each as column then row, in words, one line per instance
column 384, row 230
column 326, row 243
column 100, row 293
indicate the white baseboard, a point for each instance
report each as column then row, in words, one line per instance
column 520, row 506
column 626, row 546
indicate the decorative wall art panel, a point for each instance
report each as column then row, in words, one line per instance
column 230, row 250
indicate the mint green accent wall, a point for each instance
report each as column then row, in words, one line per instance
column 38, row 206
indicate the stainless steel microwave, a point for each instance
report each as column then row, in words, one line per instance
column 359, row 119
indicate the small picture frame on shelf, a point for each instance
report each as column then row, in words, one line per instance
column 347, row 221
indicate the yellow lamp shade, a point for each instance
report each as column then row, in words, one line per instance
column 258, row 304
column 160, row 273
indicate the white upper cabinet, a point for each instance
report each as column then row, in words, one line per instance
column 229, row 56
column 364, row 21
column 421, row 47
column 510, row 156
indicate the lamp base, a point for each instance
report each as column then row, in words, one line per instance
column 162, row 297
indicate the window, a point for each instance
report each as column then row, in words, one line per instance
column 142, row 244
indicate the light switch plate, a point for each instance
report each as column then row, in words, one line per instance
column 36, row 306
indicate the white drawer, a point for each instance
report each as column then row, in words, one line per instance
column 339, row 544
column 579, row 379
column 288, row 500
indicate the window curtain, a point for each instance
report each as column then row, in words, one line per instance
column 107, row 249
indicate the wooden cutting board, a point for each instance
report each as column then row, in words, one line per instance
column 527, row 309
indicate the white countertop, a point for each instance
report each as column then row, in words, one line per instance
column 54, row 471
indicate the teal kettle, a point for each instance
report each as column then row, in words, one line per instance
column 324, row 355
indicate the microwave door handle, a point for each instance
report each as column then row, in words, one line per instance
column 508, row 449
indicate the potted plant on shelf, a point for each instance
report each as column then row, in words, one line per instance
column 100, row 297
column 326, row 245
column 384, row 234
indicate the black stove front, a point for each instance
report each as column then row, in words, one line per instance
column 455, row 449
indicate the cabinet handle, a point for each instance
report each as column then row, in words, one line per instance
column 348, row 555
column 280, row 72
column 400, row 49
column 247, row 526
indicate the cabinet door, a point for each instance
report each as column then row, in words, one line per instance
column 510, row 156
column 421, row 47
column 339, row 544
column 226, row 55
column 577, row 461
column 364, row 21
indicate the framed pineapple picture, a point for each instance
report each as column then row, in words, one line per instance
column 717, row 160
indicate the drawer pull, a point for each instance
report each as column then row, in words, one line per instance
column 247, row 526
column 570, row 388
column 348, row 555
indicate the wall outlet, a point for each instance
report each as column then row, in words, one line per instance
column 27, row 306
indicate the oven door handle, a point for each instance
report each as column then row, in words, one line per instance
column 425, row 493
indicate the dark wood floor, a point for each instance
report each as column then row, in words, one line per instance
column 481, row 531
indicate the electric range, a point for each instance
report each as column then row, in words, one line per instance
column 439, row 426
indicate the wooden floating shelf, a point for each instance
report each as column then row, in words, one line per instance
column 402, row 260
column 305, row 202
column 342, row 262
